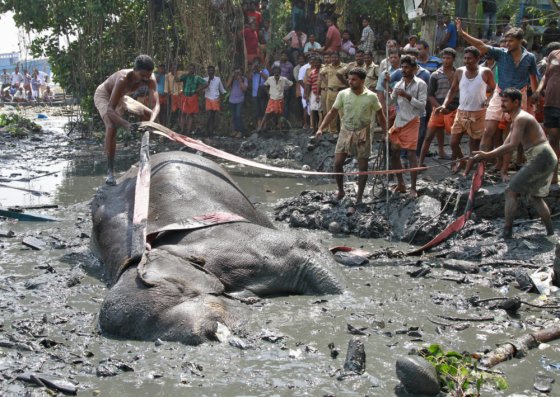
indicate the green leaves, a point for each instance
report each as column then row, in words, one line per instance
column 458, row 372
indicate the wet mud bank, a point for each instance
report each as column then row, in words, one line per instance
column 345, row 345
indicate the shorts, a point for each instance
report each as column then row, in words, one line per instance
column 440, row 120
column 494, row 111
column 190, row 104
column 406, row 137
column 551, row 117
column 101, row 100
column 314, row 105
column 275, row 106
column 213, row 104
column 534, row 178
column 177, row 102
column 471, row 122
column 357, row 143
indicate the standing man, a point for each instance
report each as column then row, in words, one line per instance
column 471, row 81
column 550, row 85
column 534, row 178
column 302, row 72
column 296, row 39
column 192, row 86
column 276, row 86
column 160, row 79
column 313, row 92
column 429, row 62
column 212, row 91
column 174, row 91
column 517, row 68
column 358, row 106
column 259, row 75
column 111, row 100
column 489, row 10
column 333, row 75
column 17, row 78
column 450, row 38
column 367, row 41
column 411, row 95
column 237, row 86
column 333, row 40
column 287, row 71
column 372, row 71
column 440, row 83
column 384, row 86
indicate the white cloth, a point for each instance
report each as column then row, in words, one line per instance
column 408, row 110
column 276, row 88
column 301, row 77
column 214, row 89
column 314, row 105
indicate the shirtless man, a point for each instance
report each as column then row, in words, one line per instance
column 111, row 99
column 535, row 177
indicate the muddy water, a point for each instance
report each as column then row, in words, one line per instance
column 43, row 310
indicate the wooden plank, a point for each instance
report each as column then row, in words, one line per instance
column 33, row 192
column 141, row 201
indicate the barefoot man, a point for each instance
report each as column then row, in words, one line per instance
column 534, row 178
column 357, row 105
column 111, row 99
column 473, row 82
column 410, row 93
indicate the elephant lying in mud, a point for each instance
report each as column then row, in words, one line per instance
column 208, row 245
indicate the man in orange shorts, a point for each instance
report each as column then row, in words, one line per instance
column 192, row 85
column 214, row 88
column 440, row 82
column 472, row 81
column 275, row 85
column 411, row 95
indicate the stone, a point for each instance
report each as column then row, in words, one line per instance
column 417, row 375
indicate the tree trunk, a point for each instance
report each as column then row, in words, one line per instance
column 429, row 23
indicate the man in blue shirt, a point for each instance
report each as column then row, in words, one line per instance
column 160, row 79
column 429, row 62
column 517, row 69
column 450, row 38
column 259, row 97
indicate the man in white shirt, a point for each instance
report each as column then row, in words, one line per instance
column 275, row 85
column 5, row 79
column 411, row 94
column 301, row 80
column 17, row 78
column 311, row 45
column 214, row 88
column 19, row 96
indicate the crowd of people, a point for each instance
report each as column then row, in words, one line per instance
column 22, row 87
column 332, row 85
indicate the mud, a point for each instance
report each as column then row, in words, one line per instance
column 294, row 346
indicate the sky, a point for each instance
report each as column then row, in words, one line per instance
column 9, row 34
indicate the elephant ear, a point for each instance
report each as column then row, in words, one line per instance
column 159, row 267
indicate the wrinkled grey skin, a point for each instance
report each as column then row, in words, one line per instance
column 418, row 376
column 184, row 285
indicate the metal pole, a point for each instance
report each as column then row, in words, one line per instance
column 387, row 153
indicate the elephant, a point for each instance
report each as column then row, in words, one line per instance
column 208, row 250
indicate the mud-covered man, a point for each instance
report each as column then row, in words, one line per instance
column 111, row 100
column 357, row 105
column 534, row 178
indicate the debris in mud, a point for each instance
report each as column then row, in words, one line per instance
column 33, row 243
column 355, row 363
column 334, row 351
column 50, row 382
column 543, row 383
column 112, row 367
column 270, row 336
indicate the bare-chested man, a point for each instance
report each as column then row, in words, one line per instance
column 111, row 99
column 534, row 178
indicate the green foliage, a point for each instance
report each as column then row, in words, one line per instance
column 458, row 372
column 17, row 125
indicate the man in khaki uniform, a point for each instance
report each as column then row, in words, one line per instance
column 335, row 82
column 372, row 71
column 323, row 85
